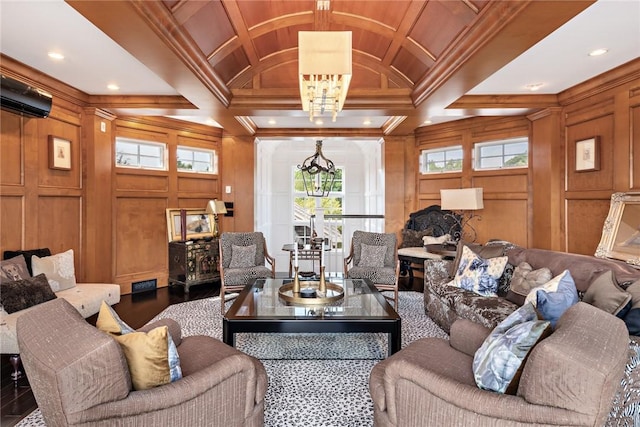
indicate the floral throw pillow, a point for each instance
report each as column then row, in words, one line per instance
column 58, row 268
column 477, row 274
column 498, row 363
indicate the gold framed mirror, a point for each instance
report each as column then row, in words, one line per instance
column 621, row 231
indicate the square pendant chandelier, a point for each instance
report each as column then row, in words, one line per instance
column 324, row 70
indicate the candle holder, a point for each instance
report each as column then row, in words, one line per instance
column 322, row 286
column 296, row 281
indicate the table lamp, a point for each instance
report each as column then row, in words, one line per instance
column 462, row 201
column 216, row 207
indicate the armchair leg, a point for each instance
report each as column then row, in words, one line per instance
column 14, row 359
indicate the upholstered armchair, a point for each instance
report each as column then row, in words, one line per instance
column 569, row 378
column 243, row 258
column 80, row 376
column 374, row 256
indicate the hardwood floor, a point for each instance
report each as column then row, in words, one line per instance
column 136, row 311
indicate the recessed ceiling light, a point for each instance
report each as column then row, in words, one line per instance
column 113, row 86
column 56, row 55
column 427, row 122
column 319, row 122
column 271, row 122
column 534, row 86
column 598, row 52
column 366, row 122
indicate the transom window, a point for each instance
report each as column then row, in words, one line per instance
column 197, row 160
column 438, row 160
column 506, row 153
column 133, row 153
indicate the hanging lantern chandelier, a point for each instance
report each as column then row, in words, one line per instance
column 317, row 178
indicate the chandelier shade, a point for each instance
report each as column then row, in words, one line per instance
column 324, row 70
column 317, row 178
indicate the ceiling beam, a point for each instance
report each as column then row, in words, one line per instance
column 148, row 31
column 504, row 30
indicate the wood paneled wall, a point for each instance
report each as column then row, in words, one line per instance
column 506, row 203
column 114, row 218
column 550, row 204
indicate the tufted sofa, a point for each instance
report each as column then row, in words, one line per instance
column 445, row 304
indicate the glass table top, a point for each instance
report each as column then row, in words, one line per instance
column 262, row 301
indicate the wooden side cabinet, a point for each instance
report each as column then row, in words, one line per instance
column 193, row 263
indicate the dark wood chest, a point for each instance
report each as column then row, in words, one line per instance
column 193, row 262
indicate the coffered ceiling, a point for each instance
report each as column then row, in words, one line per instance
column 235, row 61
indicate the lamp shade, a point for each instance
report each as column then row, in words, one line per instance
column 463, row 199
column 216, row 207
column 324, row 52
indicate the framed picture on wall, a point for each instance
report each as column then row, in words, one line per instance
column 588, row 155
column 59, row 153
column 199, row 224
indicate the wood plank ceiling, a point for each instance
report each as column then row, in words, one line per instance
column 237, row 59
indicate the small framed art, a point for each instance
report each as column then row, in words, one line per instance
column 59, row 153
column 199, row 224
column 588, row 155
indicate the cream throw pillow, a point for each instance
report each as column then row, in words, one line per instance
column 59, row 269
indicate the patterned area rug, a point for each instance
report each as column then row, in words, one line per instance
column 322, row 379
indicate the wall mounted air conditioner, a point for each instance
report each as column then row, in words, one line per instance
column 21, row 98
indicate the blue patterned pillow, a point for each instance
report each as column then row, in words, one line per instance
column 554, row 297
column 477, row 274
column 498, row 363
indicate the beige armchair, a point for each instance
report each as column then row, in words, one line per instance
column 374, row 256
column 79, row 376
column 570, row 378
column 243, row 258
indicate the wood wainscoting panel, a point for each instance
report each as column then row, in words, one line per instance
column 59, row 226
column 503, row 220
column 433, row 186
column 198, row 183
column 584, row 222
column 634, row 155
column 141, row 182
column 11, row 216
column 11, row 153
column 514, row 182
column 141, row 247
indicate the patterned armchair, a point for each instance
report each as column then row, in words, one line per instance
column 242, row 259
column 374, row 256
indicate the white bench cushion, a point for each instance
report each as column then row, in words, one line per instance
column 85, row 297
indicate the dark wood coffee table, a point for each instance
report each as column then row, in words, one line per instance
column 259, row 308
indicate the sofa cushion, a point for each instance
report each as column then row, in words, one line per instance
column 524, row 279
column 58, row 268
column 242, row 256
column 605, row 294
column 498, row 363
column 372, row 255
column 487, row 311
column 152, row 356
column 554, row 297
column 28, row 254
column 24, row 293
column 477, row 274
column 14, row 269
